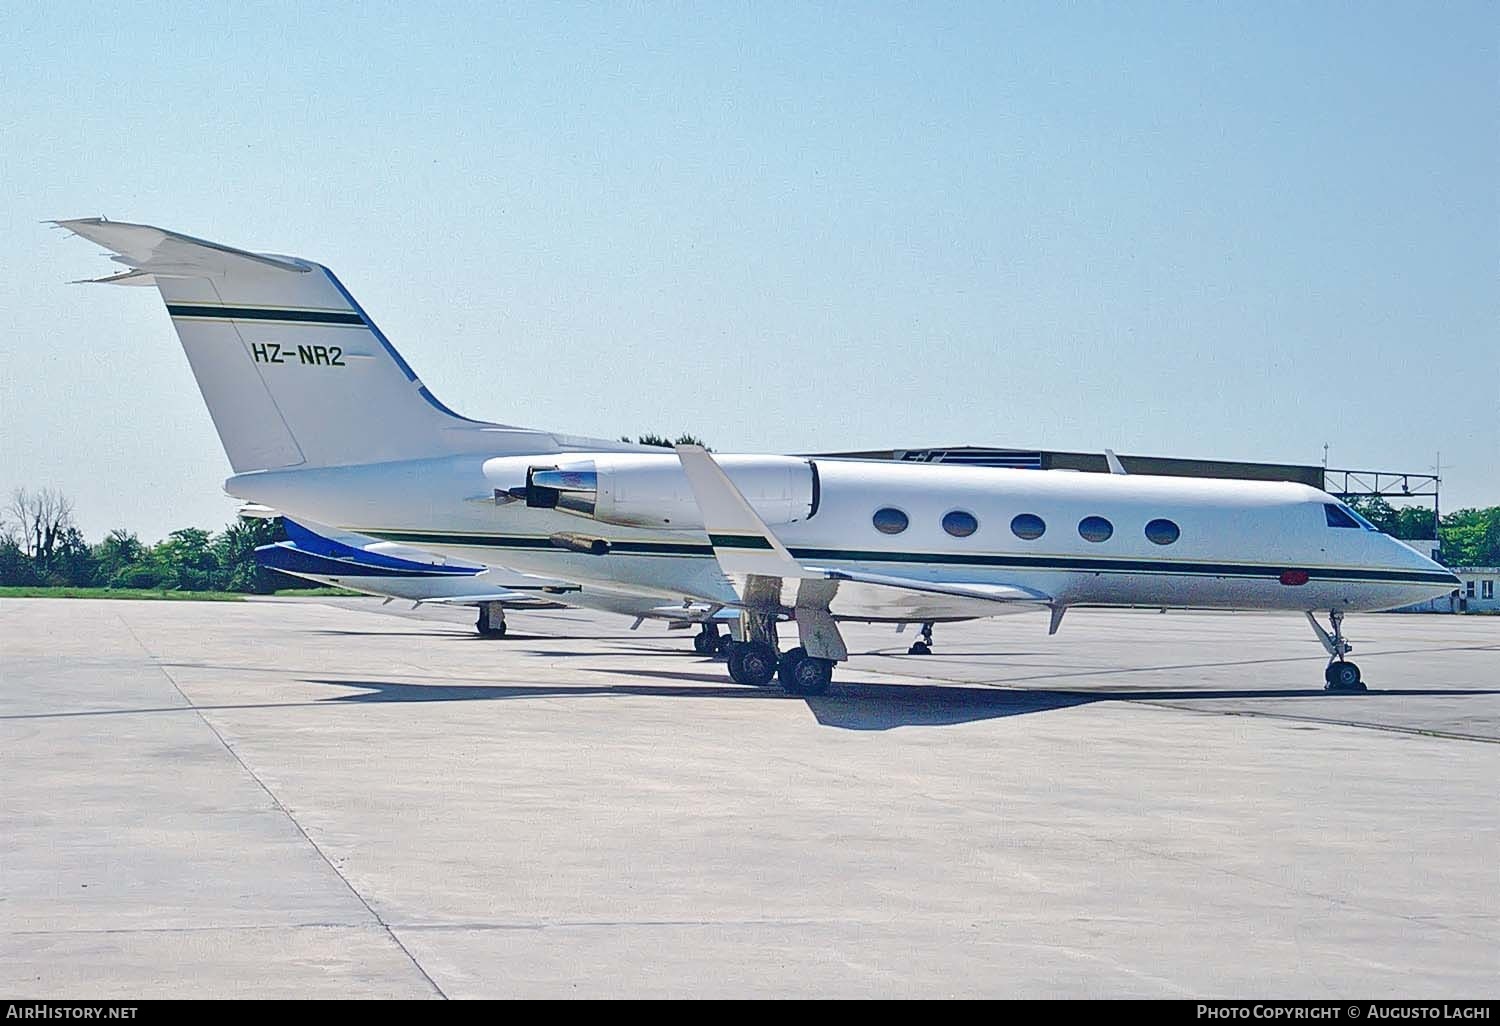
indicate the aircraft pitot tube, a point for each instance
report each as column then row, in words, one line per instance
column 651, row 491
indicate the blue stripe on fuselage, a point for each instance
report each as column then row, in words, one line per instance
column 288, row 557
column 308, row 549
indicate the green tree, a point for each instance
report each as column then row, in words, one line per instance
column 1471, row 537
column 1415, row 522
column 1409, row 522
column 119, row 550
column 72, row 563
column 187, row 560
column 16, row 568
column 1376, row 510
column 662, row 441
column 235, row 551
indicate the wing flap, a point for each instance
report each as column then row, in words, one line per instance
column 509, row 599
column 956, row 589
column 865, row 596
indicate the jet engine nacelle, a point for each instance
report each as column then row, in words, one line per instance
column 651, row 491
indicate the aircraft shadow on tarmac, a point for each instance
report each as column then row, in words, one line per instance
column 849, row 706
column 455, row 632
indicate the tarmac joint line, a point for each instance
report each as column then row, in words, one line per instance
column 284, row 811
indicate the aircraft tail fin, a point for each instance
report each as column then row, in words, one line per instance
column 294, row 373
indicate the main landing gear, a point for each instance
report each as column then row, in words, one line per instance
column 1341, row 675
column 923, row 645
column 491, row 622
column 802, row 674
column 755, row 661
column 709, row 641
column 752, row 662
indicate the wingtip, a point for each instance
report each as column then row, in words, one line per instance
column 67, row 223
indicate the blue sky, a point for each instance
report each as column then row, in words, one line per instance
column 1235, row 230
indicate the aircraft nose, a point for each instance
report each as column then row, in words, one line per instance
column 1415, row 560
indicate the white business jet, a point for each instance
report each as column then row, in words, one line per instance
column 322, row 418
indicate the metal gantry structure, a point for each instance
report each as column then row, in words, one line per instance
column 1381, row 484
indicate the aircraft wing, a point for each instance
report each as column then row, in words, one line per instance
column 767, row 576
column 680, row 617
column 979, row 599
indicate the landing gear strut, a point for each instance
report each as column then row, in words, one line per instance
column 491, row 622
column 923, row 646
column 1341, row 675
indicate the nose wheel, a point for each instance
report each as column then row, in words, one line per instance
column 1341, row 675
column 708, row 641
column 491, row 621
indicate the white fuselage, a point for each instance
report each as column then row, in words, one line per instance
column 321, row 417
column 1242, row 545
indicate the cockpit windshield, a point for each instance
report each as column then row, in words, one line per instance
column 1339, row 515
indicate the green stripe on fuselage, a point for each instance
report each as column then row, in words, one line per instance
column 739, row 541
column 1061, row 564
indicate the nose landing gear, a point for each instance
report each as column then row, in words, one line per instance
column 491, row 622
column 709, row 641
column 923, row 646
column 1341, row 675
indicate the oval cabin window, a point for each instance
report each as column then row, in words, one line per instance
column 1162, row 532
column 960, row 524
column 1028, row 526
column 1095, row 529
column 890, row 520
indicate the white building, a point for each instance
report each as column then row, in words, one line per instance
column 1478, row 592
column 1481, row 588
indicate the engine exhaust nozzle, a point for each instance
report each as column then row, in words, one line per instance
column 573, row 491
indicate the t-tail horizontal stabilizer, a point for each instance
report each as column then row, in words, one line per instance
column 293, row 371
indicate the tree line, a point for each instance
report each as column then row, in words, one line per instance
column 41, row 546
